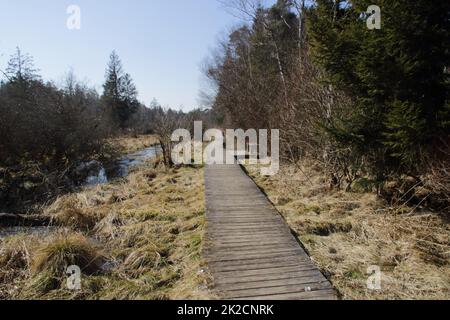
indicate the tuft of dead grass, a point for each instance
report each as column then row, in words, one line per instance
column 69, row 211
column 64, row 250
column 15, row 263
column 347, row 232
column 145, row 229
column 131, row 144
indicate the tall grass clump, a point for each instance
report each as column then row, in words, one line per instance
column 62, row 251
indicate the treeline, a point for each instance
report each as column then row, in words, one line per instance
column 47, row 131
column 365, row 103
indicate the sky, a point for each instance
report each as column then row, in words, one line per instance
column 161, row 43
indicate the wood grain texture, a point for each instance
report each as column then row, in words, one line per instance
column 249, row 248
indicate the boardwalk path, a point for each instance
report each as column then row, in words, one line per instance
column 249, row 248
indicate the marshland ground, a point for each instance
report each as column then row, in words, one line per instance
column 140, row 237
column 347, row 232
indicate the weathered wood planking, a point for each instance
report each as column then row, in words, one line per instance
column 249, row 248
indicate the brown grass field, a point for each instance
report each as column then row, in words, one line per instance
column 141, row 238
column 346, row 232
column 135, row 238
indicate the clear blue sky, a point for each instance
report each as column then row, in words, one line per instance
column 161, row 43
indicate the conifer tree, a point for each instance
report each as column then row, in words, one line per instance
column 396, row 74
column 120, row 94
column 21, row 68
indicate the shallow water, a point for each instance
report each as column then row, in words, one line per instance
column 99, row 176
column 122, row 166
column 37, row 231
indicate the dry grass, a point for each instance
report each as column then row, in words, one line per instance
column 142, row 236
column 126, row 145
column 15, row 263
column 64, row 250
column 345, row 233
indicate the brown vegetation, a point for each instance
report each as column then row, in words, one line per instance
column 48, row 132
column 130, row 144
column 346, row 232
column 139, row 238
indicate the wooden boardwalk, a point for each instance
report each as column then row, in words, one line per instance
column 249, row 249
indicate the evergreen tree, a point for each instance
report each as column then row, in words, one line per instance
column 21, row 68
column 120, row 94
column 396, row 74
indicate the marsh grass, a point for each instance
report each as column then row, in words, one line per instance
column 63, row 250
column 136, row 238
column 126, row 145
column 346, row 232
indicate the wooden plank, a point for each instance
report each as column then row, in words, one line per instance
column 222, row 243
column 238, row 260
column 248, row 247
column 304, row 289
column 252, row 247
column 269, row 276
column 243, row 218
column 212, row 249
column 240, row 237
column 258, row 266
column 261, row 271
column 248, row 226
column 327, row 294
column 258, row 257
column 307, row 283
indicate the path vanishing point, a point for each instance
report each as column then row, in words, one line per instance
column 249, row 248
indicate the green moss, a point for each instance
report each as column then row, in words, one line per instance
column 353, row 274
column 196, row 241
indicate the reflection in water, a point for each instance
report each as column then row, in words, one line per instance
column 122, row 167
column 97, row 175
column 100, row 178
column 38, row 231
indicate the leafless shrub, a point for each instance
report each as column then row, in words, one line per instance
column 46, row 132
column 165, row 123
column 438, row 178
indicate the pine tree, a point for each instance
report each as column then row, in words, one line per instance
column 119, row 92
column 21, row 68
column 394, row 74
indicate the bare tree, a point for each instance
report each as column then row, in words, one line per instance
column 166, row 121
column 250, row 10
